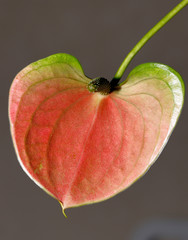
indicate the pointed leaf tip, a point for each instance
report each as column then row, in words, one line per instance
column 63, row 210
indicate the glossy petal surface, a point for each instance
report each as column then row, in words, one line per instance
column 84, row 147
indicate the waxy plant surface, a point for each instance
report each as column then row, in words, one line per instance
column 84, row 147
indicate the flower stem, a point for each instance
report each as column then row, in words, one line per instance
column 146, row 37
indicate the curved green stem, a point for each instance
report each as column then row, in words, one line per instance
column 148, row 35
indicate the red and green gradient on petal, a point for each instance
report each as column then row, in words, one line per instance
column 84, row 147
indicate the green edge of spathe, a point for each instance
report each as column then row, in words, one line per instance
column 161, row 70
column 58, row 58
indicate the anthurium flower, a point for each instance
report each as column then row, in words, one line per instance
column 84, row 140
column 82, row 146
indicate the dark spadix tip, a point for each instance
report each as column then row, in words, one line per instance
column 101, row 85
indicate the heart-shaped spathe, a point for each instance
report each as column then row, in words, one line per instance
column 84, row 147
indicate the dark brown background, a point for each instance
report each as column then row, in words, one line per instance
column 99, row 33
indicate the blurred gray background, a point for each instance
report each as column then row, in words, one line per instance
column 99, row 33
